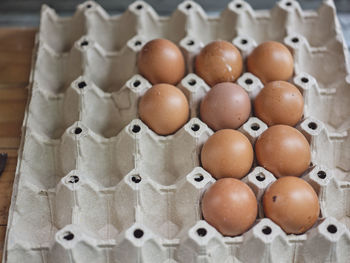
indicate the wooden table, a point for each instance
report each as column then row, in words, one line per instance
column 16, row 45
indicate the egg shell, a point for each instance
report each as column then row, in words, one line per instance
column 230, row 206
column 292, row 204
column 279, row 102
column 283, row 150
column 219, row 61
column 227, row 153
column 164, row 108
column 271, row 61
column 226, row 106
column 161, row 61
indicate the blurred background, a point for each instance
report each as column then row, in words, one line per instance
column 26, row 12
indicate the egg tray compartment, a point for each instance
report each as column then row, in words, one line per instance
column 95, row 184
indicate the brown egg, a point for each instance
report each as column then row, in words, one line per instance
column 219, row 61
column 292, row 204
column 279, row 102
column 271, row 61
column 230, row 206
column 161, row 61
column 226, row 106
column 227, row 153
column 283, row 150
column 164, row 108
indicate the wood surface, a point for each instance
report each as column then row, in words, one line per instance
column 16, row 45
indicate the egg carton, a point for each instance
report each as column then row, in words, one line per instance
column 95, row 184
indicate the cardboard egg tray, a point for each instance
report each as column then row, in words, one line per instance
column 95, row 184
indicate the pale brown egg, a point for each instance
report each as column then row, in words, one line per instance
column 161, row 61
column 164, row 108
column 292, row 204
column 227, row 153
column 279, row 102
column 219, row 61
column 283, row 150
column 230, row 206
column 271, row 61
column 226, row 106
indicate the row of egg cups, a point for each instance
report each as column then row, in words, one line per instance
column 198, row 242
column 77, row 189
column 144, row 227
column 89, row 59
column 83, row 100
column 188, row 19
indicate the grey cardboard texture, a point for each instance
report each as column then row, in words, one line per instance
column 95, row 184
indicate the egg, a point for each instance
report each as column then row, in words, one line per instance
column 283, row 150
column 219, row 61
column 292, row 204
column 161, row 61
column 164, row 109
column 230, row 206
column 227, row 153
column 279, row 102
column 226, row 106
column 271, row 61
